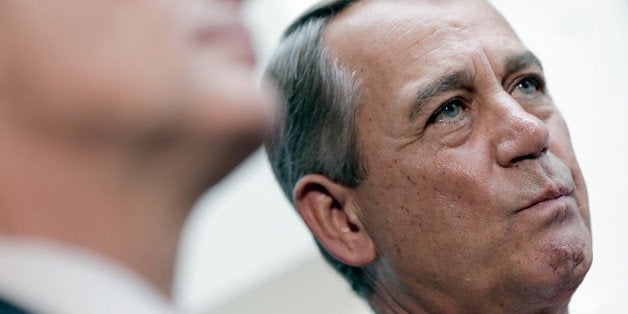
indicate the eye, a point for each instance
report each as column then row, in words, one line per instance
column 450, row 110
column 528, row 86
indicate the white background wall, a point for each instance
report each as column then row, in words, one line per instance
column 246, row 251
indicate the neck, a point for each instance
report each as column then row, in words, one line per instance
column 116, row 200
column 388, row 296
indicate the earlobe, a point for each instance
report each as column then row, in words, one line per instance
column 330, row 213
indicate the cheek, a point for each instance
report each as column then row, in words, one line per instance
column 97, row 37
column 424, row 226
column 560, row 141
column 425, row 210
column 458, row 176
column 560, row 145
column 94, row 54
column 429, row 195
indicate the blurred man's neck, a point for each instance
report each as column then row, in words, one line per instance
column 127, row 205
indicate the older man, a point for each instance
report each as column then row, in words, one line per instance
column 421, row 146
column 114, row 117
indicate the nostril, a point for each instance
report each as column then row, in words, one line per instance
column 529, row 156
column 521, row 158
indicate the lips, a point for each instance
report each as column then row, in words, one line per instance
column 551, row 192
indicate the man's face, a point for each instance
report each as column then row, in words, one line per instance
column 131, row 68
column 473, row 191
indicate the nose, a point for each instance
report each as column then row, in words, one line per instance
column 518, row 134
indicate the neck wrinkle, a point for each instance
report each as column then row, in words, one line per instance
column 386, row 297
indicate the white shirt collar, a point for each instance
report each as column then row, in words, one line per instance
column 52, row 278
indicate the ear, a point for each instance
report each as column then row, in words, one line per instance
column 330, row 212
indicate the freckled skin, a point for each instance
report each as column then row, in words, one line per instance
column 440, row 201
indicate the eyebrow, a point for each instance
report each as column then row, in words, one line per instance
column 456, row 80
column 522, row 61
column 463, row 79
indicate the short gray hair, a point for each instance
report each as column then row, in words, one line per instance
column 316, row 131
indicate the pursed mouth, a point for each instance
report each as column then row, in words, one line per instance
column 550, row 193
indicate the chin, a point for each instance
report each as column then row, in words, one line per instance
column 560, row 267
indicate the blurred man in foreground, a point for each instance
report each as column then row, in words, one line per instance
column 114, row 117
column 421, row 147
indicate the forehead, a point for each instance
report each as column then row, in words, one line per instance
column 380, row 37
column 397, row 47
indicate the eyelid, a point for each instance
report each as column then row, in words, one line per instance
column 440, row 109
column 538, row 78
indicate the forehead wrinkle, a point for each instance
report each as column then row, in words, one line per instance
column 458, row 80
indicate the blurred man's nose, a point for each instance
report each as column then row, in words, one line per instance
column 235, row 3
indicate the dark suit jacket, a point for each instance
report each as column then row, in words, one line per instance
column 9, row 308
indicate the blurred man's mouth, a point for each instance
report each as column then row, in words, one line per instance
column 232, row 38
